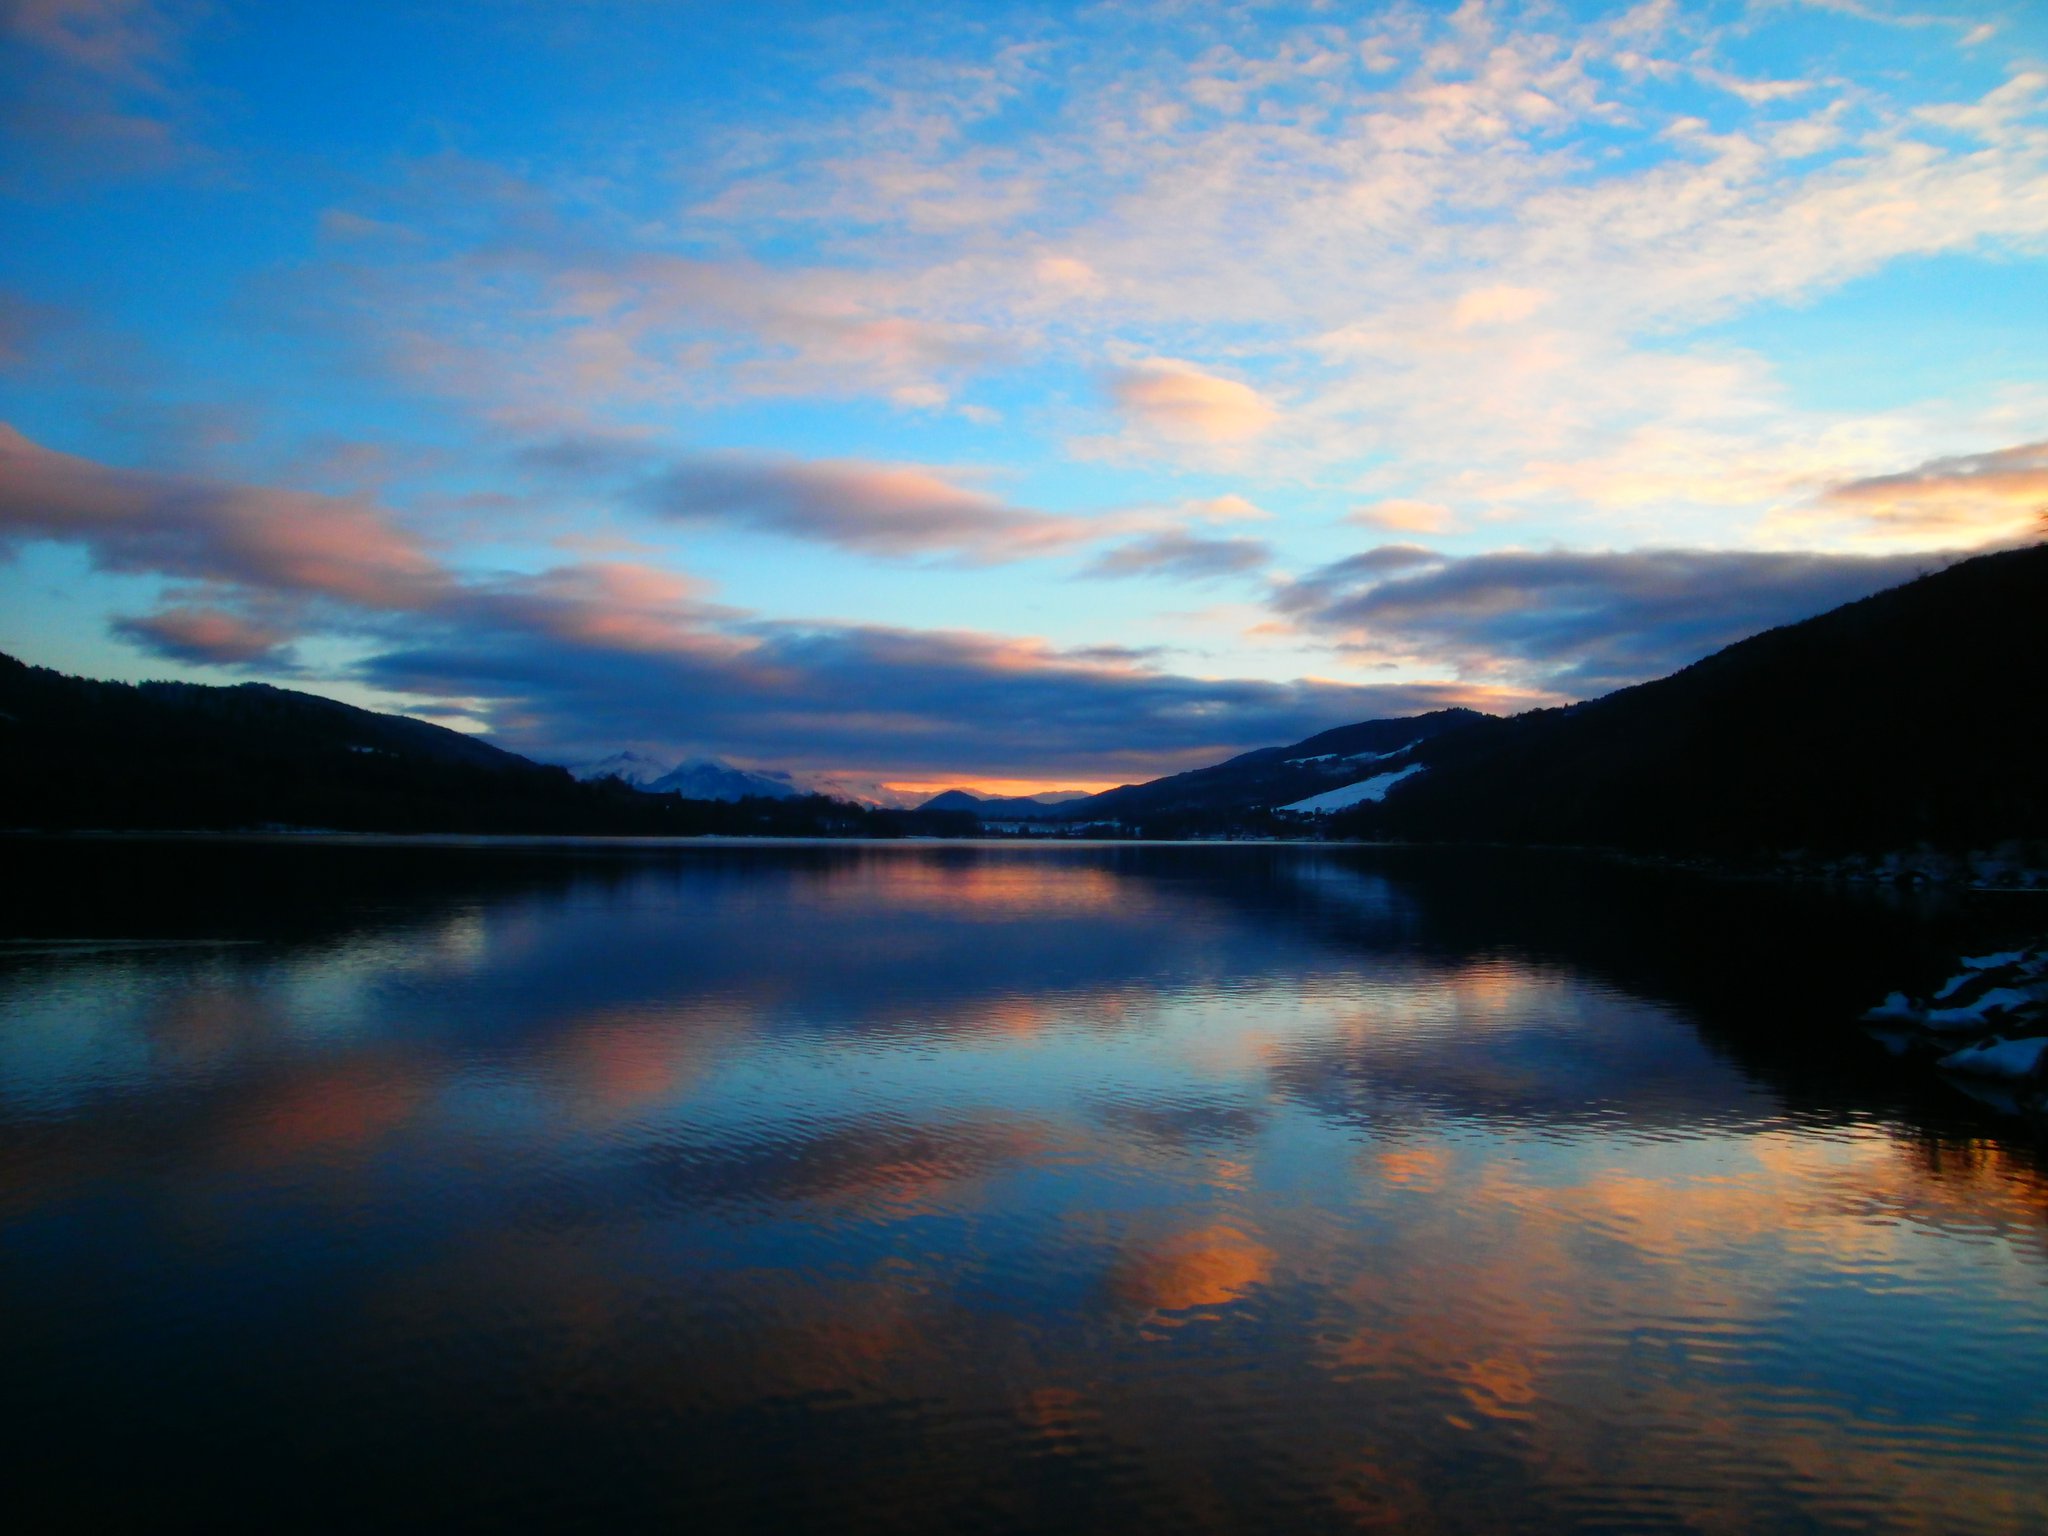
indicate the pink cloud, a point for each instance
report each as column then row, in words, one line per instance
column 1399, row 515
column 1179, row 400
column 91, row 84
column 884, row 509
column 585, row 655
column 1497, row 304
column 209, row 636
column 279, row 540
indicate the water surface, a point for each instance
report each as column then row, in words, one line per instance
column 967, row 1188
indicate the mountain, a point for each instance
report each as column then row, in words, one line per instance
column 78, row 753
column 1254, row 782
column 634, row 768
column 867, row 792
column 1040, row 807
column 1918, row 714
column 710, row 778
column 706, row 778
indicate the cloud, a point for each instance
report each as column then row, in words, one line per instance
column 1481, row 243
column 115, row 39
column 1371, row 565
column 1977, row 495
column 897, row 702
column 295, row 542
column 1180, row 401
column 207, row 637
column 877, row 509
column 1398, row 515
column 584, row 455
column 1497, row 304
column 1182, row 555
column 544, row 317
column 88, row 86
column 24, row 324
column 583, row 656
column 1230, row 508
column 1576, row 623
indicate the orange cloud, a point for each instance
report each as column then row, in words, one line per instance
column 875, row 508
column 1978, row 495
column 1399, row 515
column 328, row 546
column 1180, row 401
column 1500, row 304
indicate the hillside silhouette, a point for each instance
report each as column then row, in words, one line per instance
column 77, row 753
column 1915, row 715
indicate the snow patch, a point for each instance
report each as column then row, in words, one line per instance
column 1993, row 962
column 1976, row 1015
column 2011, row 1059
column 1352, row 794
column 1896, row 1006
column 1350, row 757
column 636, row 768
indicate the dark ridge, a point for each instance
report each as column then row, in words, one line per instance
column 996, row 807
column 1206, row 799
column 1914, row 716
column 80, row 754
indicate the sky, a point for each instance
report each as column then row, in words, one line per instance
column 1009, row 395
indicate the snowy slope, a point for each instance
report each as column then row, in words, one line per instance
column 635, row 768
column 1360, row 758
column 706, row 778
column 1352, row 794
column 712, row 778
column 869, row 792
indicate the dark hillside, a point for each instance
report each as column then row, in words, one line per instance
column 1269, row 776
column 80, row 753
column 1919, row 714
column 75, row 753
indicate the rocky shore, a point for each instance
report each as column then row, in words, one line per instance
column 1986, row 1027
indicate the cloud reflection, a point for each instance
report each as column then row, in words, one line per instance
column 1156, row 1180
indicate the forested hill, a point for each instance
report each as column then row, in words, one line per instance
column 1917, row 714
column 75, row 753
column 1268, row 776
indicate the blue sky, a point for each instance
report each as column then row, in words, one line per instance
column 1009, row 395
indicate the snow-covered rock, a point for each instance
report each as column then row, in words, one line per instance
column 1998, row 1001
column 2010, row 1059
column 1954, row 985
column 1365, row 790
column 1897, row 1008
column 1993, row 962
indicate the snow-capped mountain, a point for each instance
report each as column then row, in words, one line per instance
column 706, row 778
column 711, row 778
column 866, row 792
column 636, row 768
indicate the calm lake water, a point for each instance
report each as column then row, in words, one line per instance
column 980, row 1188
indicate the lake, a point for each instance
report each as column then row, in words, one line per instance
column 965, row 1187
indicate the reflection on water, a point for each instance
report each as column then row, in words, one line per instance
column 962, row 1188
